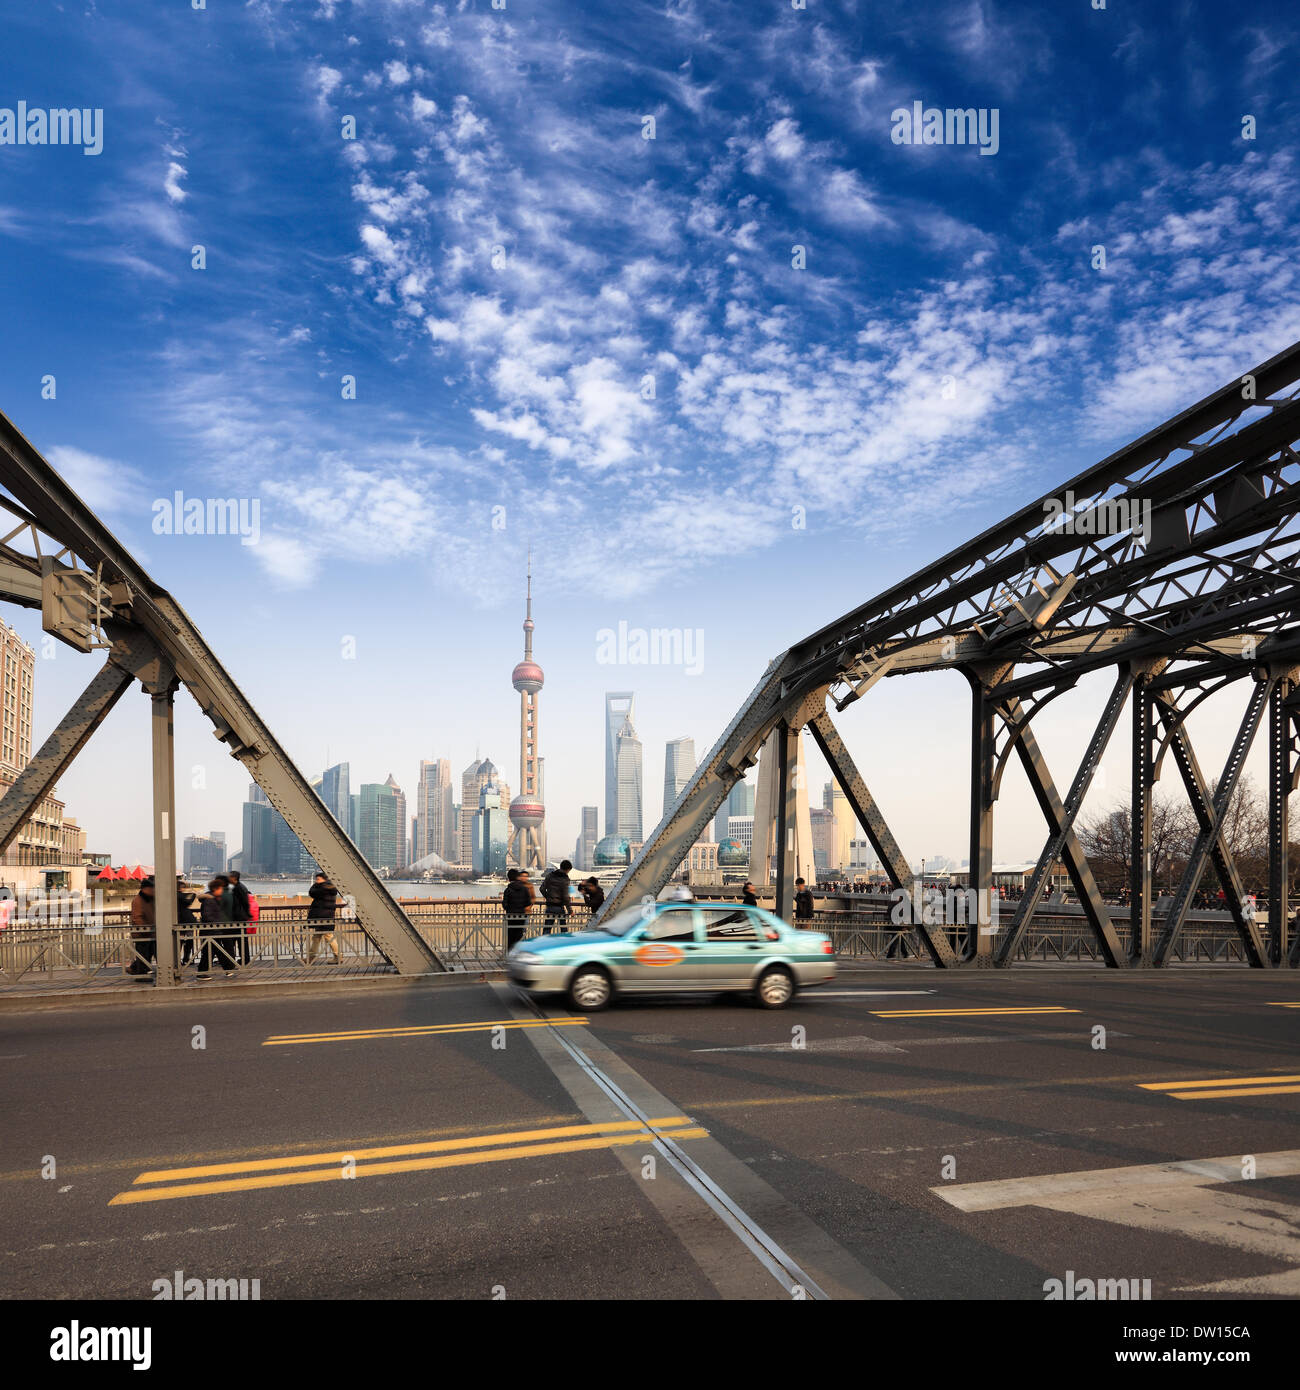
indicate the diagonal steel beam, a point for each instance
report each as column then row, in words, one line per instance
column 1076, row 862
column 864, row 807
column 1060, row 820
column 35, row 782
column 1209, row 815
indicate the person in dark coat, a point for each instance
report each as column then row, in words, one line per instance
column 216, row 915
column 187, row 913
column 803, row 903
column 515, row 901
column 243, row 913
column 592, row 894
column 749, row 899
column 320, row 916
column 144, row 927
column 555, row 890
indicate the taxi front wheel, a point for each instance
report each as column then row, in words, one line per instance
column 590, row 989
column 775, row 988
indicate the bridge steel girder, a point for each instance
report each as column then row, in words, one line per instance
column 869, row 817
column 37, row 780
column 1209, row 814
column 57, row 511
column 1189, row 769
column 1062, row 842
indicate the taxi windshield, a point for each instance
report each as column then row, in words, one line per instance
column 622, row 922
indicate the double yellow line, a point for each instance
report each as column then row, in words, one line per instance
column 968, row 1013
column 1225, row 1087
column 167, row 1184
column 423, row 1031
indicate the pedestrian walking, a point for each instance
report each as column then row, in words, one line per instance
column 803, row 903
column 555, row 890
column 187, row 913
column 242, row 909
column 515, row 902
column 216, row 913
column 144, row 928
column 320, row 917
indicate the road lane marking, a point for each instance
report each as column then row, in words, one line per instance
column 1284, row 1003
column 1138, row 1183
column 568, row 1139
column 706, row 1104
column 1221, row 1088
column 969, row 1013
column 863, row 993
column 478, row 1141
column 423, row 1030
column 865, row 1044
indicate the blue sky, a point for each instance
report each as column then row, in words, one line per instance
column 501, row 260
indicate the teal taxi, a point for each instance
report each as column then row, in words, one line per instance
column 675, row 947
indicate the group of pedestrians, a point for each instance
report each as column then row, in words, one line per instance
column 225, row 915
column 557, row 893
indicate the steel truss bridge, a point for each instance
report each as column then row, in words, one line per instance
column 1205, row 598
column 1023, row 610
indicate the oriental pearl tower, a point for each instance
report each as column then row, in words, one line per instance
column 527, row 813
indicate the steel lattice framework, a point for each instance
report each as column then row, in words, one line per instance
column 1204, row 595
column 57, row 556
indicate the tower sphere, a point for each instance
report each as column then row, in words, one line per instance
column 527, row 676
column 527, row 810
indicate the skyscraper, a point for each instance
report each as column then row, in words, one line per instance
column 739, row 802
column 401, row 861
column 527, row 810
column 584, row 851
column 491, row 832
column 336, row 793
column 620, row 705
column 627, row 786
column 17, row 671
column 435, row 831
column 377, row 824
column 846, row 826
column 679, row 766
column 472, row 781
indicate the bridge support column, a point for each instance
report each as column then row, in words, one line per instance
column 1141, row 946
column 979, row 948
column 1282, row 777
column 162, row 691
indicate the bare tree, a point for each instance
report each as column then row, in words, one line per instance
column 1107, row 840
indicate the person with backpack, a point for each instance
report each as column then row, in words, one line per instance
column 515, row 902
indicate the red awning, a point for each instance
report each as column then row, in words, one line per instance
column 106, row 874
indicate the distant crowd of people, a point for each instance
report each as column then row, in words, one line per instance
column 519, row 897
column 224, row 915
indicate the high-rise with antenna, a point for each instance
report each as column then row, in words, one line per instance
column 527, row 813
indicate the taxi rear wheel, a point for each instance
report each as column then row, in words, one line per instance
column 775, row 988
column 590, row 989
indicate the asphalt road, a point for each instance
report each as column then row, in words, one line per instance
column 903, row 1135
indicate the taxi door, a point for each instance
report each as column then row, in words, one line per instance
column 664, row 954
